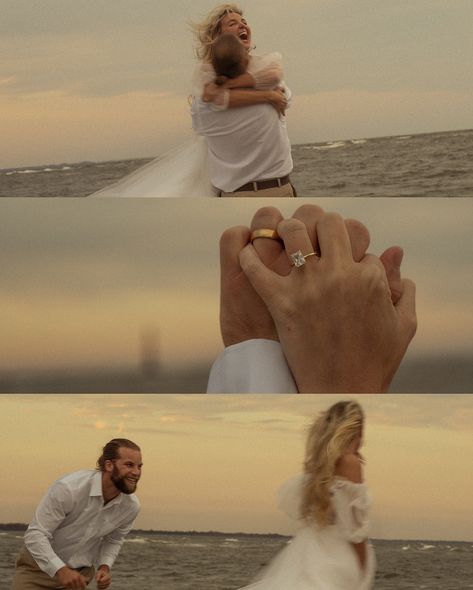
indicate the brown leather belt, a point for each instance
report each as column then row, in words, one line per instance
column 259, row 185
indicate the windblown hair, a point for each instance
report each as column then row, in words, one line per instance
column 110, row 451
column 329, row 436
column 209, row 29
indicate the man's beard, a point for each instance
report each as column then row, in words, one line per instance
column 120, row 482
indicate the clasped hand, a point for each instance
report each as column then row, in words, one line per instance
column 344, row 319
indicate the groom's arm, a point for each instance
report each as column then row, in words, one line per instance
column 251, row 366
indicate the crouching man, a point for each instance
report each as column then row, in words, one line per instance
column 80, row 524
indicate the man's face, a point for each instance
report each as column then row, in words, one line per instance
column 127, row 470
column 235, row 24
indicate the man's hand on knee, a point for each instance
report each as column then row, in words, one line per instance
column 69, row 578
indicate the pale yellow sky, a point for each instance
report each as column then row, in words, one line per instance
column 112, row 82
column 82, row 281
column 216, row 462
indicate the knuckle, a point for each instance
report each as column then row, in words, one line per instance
column 291, row 225
column 266, row 215
column 308, row 210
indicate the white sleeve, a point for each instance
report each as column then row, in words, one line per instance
column 253, row 366
column 50, row 513
column 351, row 502
column 111, row 543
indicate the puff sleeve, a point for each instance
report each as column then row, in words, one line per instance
column 351, row 503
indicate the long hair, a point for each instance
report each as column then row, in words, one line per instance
column 110, row 451
column 328, row 437
column 206, row 31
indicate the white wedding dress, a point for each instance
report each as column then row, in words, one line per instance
column 323, row 558
column 183, row 170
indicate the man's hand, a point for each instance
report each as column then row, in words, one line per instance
column 103, row 577
column 69, row 578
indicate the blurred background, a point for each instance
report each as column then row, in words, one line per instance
column 123, row 295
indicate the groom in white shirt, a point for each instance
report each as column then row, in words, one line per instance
column 249, row 153
column 81, row 523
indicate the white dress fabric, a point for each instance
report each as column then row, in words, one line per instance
column 183, row 170
column 180, row 172
column 323, row 558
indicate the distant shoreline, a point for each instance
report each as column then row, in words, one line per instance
column 67, row 165
column 19, row 526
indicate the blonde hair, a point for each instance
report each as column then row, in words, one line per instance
column 209, row 29
column 329, row 436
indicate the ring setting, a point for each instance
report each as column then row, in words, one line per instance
column 272, row 234
column 298, row 259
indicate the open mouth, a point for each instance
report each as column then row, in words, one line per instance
column 243, row 36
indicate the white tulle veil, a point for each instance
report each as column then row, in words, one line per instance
column 180, row 172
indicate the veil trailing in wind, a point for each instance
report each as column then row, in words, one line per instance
column 180, row 172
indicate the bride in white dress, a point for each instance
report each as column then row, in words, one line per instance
column 330, row 551
column 182, row 171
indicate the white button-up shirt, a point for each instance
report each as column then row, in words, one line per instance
column 72, row 526
column 244, row 144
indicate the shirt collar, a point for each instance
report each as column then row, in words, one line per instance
column 96, row 489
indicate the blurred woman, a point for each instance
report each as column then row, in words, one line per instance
column 331, row 502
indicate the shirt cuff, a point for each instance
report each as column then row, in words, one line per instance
column 53, row 565
column 253, row 366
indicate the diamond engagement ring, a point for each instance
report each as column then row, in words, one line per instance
column 298, row 259
column 272, row 234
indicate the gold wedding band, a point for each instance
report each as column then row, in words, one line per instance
column 272, row 234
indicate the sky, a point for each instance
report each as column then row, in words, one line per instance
column 216, row 462
column 112, row 81
column 82, row 284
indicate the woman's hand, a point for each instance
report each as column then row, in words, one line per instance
column 278, row 100
column 243, row 314
column 335, row 318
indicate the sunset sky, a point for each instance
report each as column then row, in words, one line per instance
column 82, row 282
column 216, row 462
column 112, row 81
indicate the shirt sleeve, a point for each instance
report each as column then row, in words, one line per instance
column 351, row 502
column 111, row 543
column 51, row 511
column 253, row 366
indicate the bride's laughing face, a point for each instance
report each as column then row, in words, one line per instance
column 235, row 24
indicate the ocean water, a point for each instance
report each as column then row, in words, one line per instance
column 210, row 562
column 429, row 165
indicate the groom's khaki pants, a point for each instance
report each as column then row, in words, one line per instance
column 279, row 191
column 28, row 576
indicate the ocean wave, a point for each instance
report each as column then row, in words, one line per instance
column 137, row 540
column 358, row 141
column 36, row 170
column 425, row 547
column 329, row 146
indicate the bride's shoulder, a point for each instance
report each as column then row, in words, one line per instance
column 350, row 467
